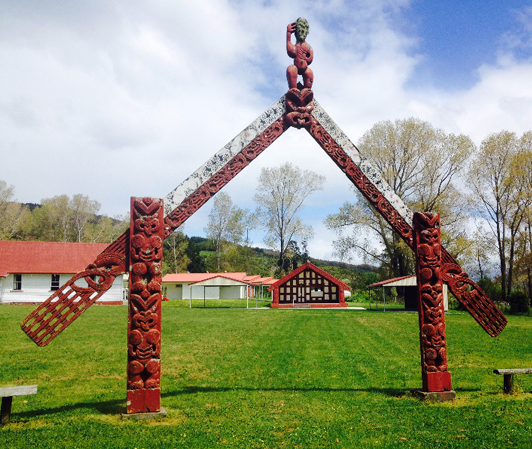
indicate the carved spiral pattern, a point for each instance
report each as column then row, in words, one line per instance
column 67, row 303
column 353, row 172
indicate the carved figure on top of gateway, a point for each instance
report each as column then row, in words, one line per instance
column 301, row 52
column 299, row 98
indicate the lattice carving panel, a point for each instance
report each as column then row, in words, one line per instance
column 73, row 298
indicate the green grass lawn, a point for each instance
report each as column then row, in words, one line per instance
column 219, row 303
column 266, row 378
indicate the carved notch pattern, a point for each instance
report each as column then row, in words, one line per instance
column 71, row 300
column 357, row 177
column 144, row 325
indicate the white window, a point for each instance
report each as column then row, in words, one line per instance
column 55, row 282
column 17, row 282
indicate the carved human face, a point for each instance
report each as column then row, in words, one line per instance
column 302, row 29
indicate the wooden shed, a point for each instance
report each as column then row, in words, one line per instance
column 308, row 286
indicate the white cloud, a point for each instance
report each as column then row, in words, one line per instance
column 118, row 99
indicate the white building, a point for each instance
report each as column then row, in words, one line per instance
column 31, row 271
column 212, row 285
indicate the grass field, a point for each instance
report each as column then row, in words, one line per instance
column 266, row 379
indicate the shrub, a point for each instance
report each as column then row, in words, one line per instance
column 519, row 303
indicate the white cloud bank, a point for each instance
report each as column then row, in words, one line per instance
column 120, row 99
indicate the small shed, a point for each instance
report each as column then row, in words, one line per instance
column 308, row 286
column 206, row 285
column 409, row 284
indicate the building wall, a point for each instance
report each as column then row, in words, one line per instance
column 184, row 291
column 233, row 292
column 174, row 291
column 210, row 292
column 37, row 288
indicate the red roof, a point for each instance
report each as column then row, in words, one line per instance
column 46, row 257
column 314, row 268
column 265, row 281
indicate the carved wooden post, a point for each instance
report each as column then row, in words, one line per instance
column 144, row 326
column 436, row 377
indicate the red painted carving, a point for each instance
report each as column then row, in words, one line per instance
column 299, row 106
column 366, row 187
column 481, row 308
column 472, row 296
column 144, row 325
column 301, row 52
column 427, row 246
column 51, row 317
column 187, row 208
column 71, row 300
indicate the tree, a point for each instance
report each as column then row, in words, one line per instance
column 197, row 263
column 422, row 165
column 83, row 211
column 502, row 190
column 57, row 219
column 280, row 195
column 226, row 223
column 64, row 219
column 13, row 215
column 106, row 229
column 176, row 259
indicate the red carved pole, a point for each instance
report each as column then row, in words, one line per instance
column 144, row 326
column 436, row 377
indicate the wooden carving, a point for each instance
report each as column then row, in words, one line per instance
column 431, row 314
column 298, row 109
column 145, row 298
column 51, row 317
column 391, row 207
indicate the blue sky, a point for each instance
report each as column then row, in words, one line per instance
column 120, row 99
column 457, row 37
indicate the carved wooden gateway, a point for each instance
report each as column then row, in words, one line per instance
column 296, row 109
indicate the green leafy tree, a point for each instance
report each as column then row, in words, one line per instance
column 13, row 215
column 422, row 164
column 176, row 259
column 501, row 184
column 226, row 224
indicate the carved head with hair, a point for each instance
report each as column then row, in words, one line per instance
column 302, row 29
